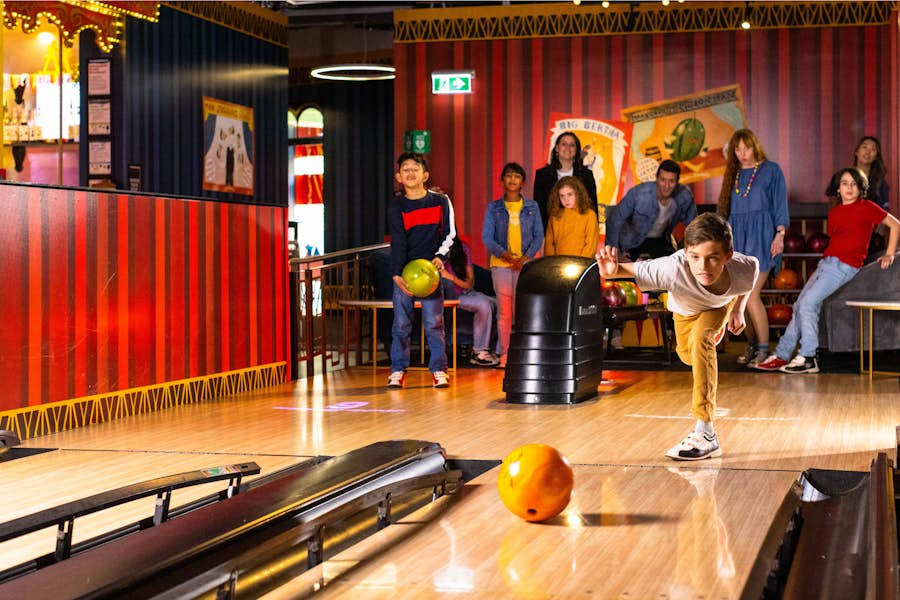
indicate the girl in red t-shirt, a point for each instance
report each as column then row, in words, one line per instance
column 850, row 225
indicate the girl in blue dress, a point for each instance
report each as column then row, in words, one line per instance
column 754, row 200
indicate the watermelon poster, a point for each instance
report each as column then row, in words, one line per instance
column 604, row 146
column 692, row 130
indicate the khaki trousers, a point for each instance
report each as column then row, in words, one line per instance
column 696, row 346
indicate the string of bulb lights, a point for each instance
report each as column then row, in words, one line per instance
column 745, row 22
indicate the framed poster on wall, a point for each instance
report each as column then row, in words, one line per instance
column 228, row 147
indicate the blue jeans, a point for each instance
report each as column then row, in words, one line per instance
column 505, row 281
column 482, row 308
column 432, row 321
column 830, row 274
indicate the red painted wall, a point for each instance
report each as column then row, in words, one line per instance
column 107, row 291
column 809, row 94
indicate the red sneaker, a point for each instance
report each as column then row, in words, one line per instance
column 773, row 363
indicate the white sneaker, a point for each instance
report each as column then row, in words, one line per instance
column 801, row 364
column 396, row 379
column 441, row 380
column 696, row 446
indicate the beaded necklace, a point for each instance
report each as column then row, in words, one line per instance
column 749, row 183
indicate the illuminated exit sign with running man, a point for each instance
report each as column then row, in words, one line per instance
column 452, row 82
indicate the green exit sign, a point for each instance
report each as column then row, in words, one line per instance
column 452, row 82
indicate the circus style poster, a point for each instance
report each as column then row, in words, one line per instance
column 228, row 147
column 692, row 130
column 604, row 146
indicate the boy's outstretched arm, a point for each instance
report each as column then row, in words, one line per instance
column 609, row 265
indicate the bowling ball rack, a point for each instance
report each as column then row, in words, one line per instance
column 246, row 540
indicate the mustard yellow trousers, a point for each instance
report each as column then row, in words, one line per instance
column 695, row 338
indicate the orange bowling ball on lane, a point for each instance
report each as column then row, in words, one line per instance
column 535, row 482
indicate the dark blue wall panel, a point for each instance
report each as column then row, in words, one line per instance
column 359, row 157
column 168, row 67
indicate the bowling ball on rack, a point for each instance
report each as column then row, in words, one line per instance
column 779, row 314
column 612, row 294
column 421, row 277
column 535, row 482
column 794, row 243
column 816, row 242
column 787, row 279
column 632, row 293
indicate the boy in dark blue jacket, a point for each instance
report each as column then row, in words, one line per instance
column 421, row 226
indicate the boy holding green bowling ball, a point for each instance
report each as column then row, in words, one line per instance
column 708, row 285
column 421, row 225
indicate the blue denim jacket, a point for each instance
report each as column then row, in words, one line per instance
column 631, row 219
column 495, row 230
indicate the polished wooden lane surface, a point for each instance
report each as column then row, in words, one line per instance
column 772, row 426
column 628, row 532
column 766, row 420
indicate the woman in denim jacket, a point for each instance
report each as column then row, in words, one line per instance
column 513, row 234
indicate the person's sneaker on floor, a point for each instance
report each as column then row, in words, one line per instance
column 441, row 380
column 696, row 446
column 761, row 356
column 801, row 364
column 616, row 339
column 483, row 358
column 773, row 363
column 396, row 379
column 749, row 354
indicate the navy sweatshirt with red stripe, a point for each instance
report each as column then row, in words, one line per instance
column 422, row 228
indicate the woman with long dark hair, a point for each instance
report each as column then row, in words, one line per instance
column 565, row 159
column 754, row 200
column 868, row 159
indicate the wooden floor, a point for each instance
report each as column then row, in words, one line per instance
column 639, row 525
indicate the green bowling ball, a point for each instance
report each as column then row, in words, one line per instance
column 632, row 293
column 421, row 277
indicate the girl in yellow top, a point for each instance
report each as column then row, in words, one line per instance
column 572, row 228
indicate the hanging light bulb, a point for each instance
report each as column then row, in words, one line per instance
column 745, row 24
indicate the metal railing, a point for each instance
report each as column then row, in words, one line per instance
column 318, row 284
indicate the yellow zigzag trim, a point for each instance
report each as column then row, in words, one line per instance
column 46, row 419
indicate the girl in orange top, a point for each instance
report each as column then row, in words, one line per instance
column 572, row 227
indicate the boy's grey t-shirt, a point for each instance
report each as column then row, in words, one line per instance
column 686, row 296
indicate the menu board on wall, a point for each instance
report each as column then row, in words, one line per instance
column 99, row 136
column 99, row 158
column 98, row 117
column 98, row 77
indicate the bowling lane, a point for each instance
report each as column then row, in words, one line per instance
column 46, row 480
column 629, row 532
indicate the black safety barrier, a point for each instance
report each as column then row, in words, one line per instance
column 244, row 545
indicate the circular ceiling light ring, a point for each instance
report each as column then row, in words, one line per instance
column 354, row 72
